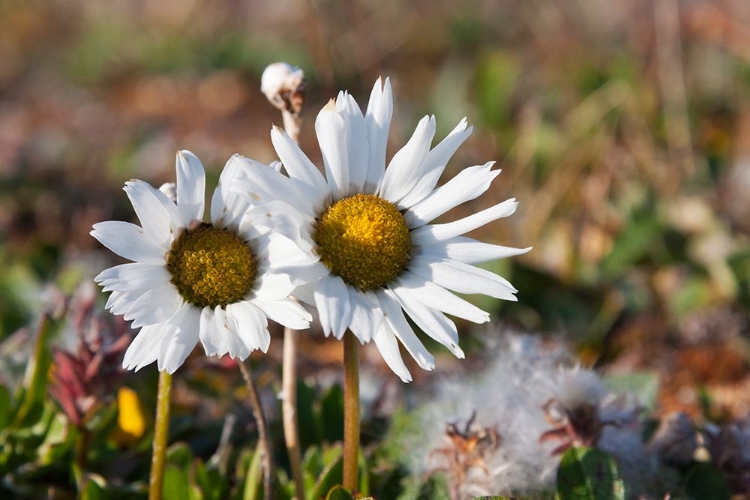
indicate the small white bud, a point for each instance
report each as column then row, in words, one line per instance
column 284, row 86
column 170, row 189
column 280, row 76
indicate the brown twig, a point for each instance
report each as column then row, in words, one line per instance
column 263, row 434
column 289, row 409
column 285, row 87
column 672, row 85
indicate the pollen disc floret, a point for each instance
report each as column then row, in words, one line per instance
column 364, row 240
column 211, row 267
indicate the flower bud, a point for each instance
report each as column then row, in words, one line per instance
column 284, row 86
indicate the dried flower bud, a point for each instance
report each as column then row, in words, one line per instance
column 575, row 426
column 729, row 447
column 676, row 439
column 284, row 86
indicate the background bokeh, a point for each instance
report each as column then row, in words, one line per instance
column 622, row 127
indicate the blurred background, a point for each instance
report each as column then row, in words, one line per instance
column 623, row 128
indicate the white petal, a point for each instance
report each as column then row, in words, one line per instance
column 435, row 163
column 468, row 184
column 388, row 347
column 437, row 297
column 305, row 176
column 285, row 312
column 191, row 187
column 183, row 339
column 158, row 215
column 279, row 250
column 213, row 342
column 463, row 278
column 251, row 324
column 119, row 302
column 305, row 293
column 227, row 206
column 406, row 166
column 273, row 286
column 378, row 121
column 128, row 241
column 259, row 184
column 154, row 306
column 467, row 250
column 396, row 320
column 289, row 244
column 133, row 276
column 248, row 229
column 227, row 328
column 302, row 274
column 427, row 235
column 366, row 314
column 334, row 309
column 355, row 134
column 331, row 129
column 432, row 322
column 144, row 349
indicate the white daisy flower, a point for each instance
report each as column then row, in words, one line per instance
column 216, row 282
column 379, row 257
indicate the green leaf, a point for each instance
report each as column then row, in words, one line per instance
column 5, row 402
column 706, row 481
column 92, row 490
column 332, row 475
column 589, row 474
column 176, row 484
column 697, row 292
column 37, row 373
column 332, row 414
column 210, row 481
column 312, row 465
column 253, row 479
column 434, row 488
column 633, row 243
column 312, row 462
column 364, row 473
column 497, row 74
column 309, row 425
column 339, row 493
column 180, row 455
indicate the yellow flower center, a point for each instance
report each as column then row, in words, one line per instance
column 364, row 240
column 211, row 267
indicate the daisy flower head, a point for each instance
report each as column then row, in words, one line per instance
column 216, row 282
column 380, row 258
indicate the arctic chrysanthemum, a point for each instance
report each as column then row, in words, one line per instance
column 379, row 257
column 215, row 282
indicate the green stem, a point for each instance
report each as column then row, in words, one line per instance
column 351, row 411
column 83, row 443
column 161, row 433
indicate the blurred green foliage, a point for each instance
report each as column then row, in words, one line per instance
column 637, row 238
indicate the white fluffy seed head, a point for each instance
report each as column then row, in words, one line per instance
column 510, row 396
